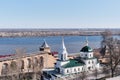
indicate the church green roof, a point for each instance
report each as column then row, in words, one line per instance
column 73, row 63
column 86, row 49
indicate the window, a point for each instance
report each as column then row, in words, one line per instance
column 78, row 69
column 93, row 62
column 86, row 55
column 67, row 71
column 82, row 68
column 88, row 62
column 41, row 61
column 89, row 68
column 61, row 56
column 75, row 70
column 90, row 55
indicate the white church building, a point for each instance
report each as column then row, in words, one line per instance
column 65, row 67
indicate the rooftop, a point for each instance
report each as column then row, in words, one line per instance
column 86, row 49
column 73, row 63
column 45, row 45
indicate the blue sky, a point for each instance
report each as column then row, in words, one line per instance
column 59, row 13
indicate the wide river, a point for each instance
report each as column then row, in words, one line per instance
column 32, row 44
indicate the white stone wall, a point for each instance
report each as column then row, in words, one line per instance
column 59, row 65
column 86, row 54
column 73, row 70
column 90, row 55
column 98, row 65
column 90, row 63
column 83, row 54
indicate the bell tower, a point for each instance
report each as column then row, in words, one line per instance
column 45, row 47
column 63, row 54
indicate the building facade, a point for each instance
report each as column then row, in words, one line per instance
column 64, row 67
column 27, row 64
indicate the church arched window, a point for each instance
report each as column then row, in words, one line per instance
column 67, row 71
column 75, row 70
column 82, row 69
column 88, row 62
column 90, row 55
column 93, row 62
column 89, row 68
column 61, row 56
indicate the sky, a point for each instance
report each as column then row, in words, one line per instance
column 59, row 14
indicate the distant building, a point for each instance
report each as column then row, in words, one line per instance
column 64, row 67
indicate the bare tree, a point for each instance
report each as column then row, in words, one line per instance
column 83, row 74
column 113, row 49
column 105, row 70
column 18, row 67
column 96, row 72
column 105, row 36
column 20, row 52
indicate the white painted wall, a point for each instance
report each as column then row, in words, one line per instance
column 73, row 70
column 90, row 54
column 86, row 54
column 91, row 63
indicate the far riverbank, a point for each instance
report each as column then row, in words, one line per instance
column 54, row 32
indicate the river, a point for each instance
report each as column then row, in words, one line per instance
column 32, row 44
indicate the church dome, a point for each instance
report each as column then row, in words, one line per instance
column 86, row 49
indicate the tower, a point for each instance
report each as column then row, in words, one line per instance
column 86, row 54
column 45, row 47
column 86, row 51
column 63, row 54
column 62, row 58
